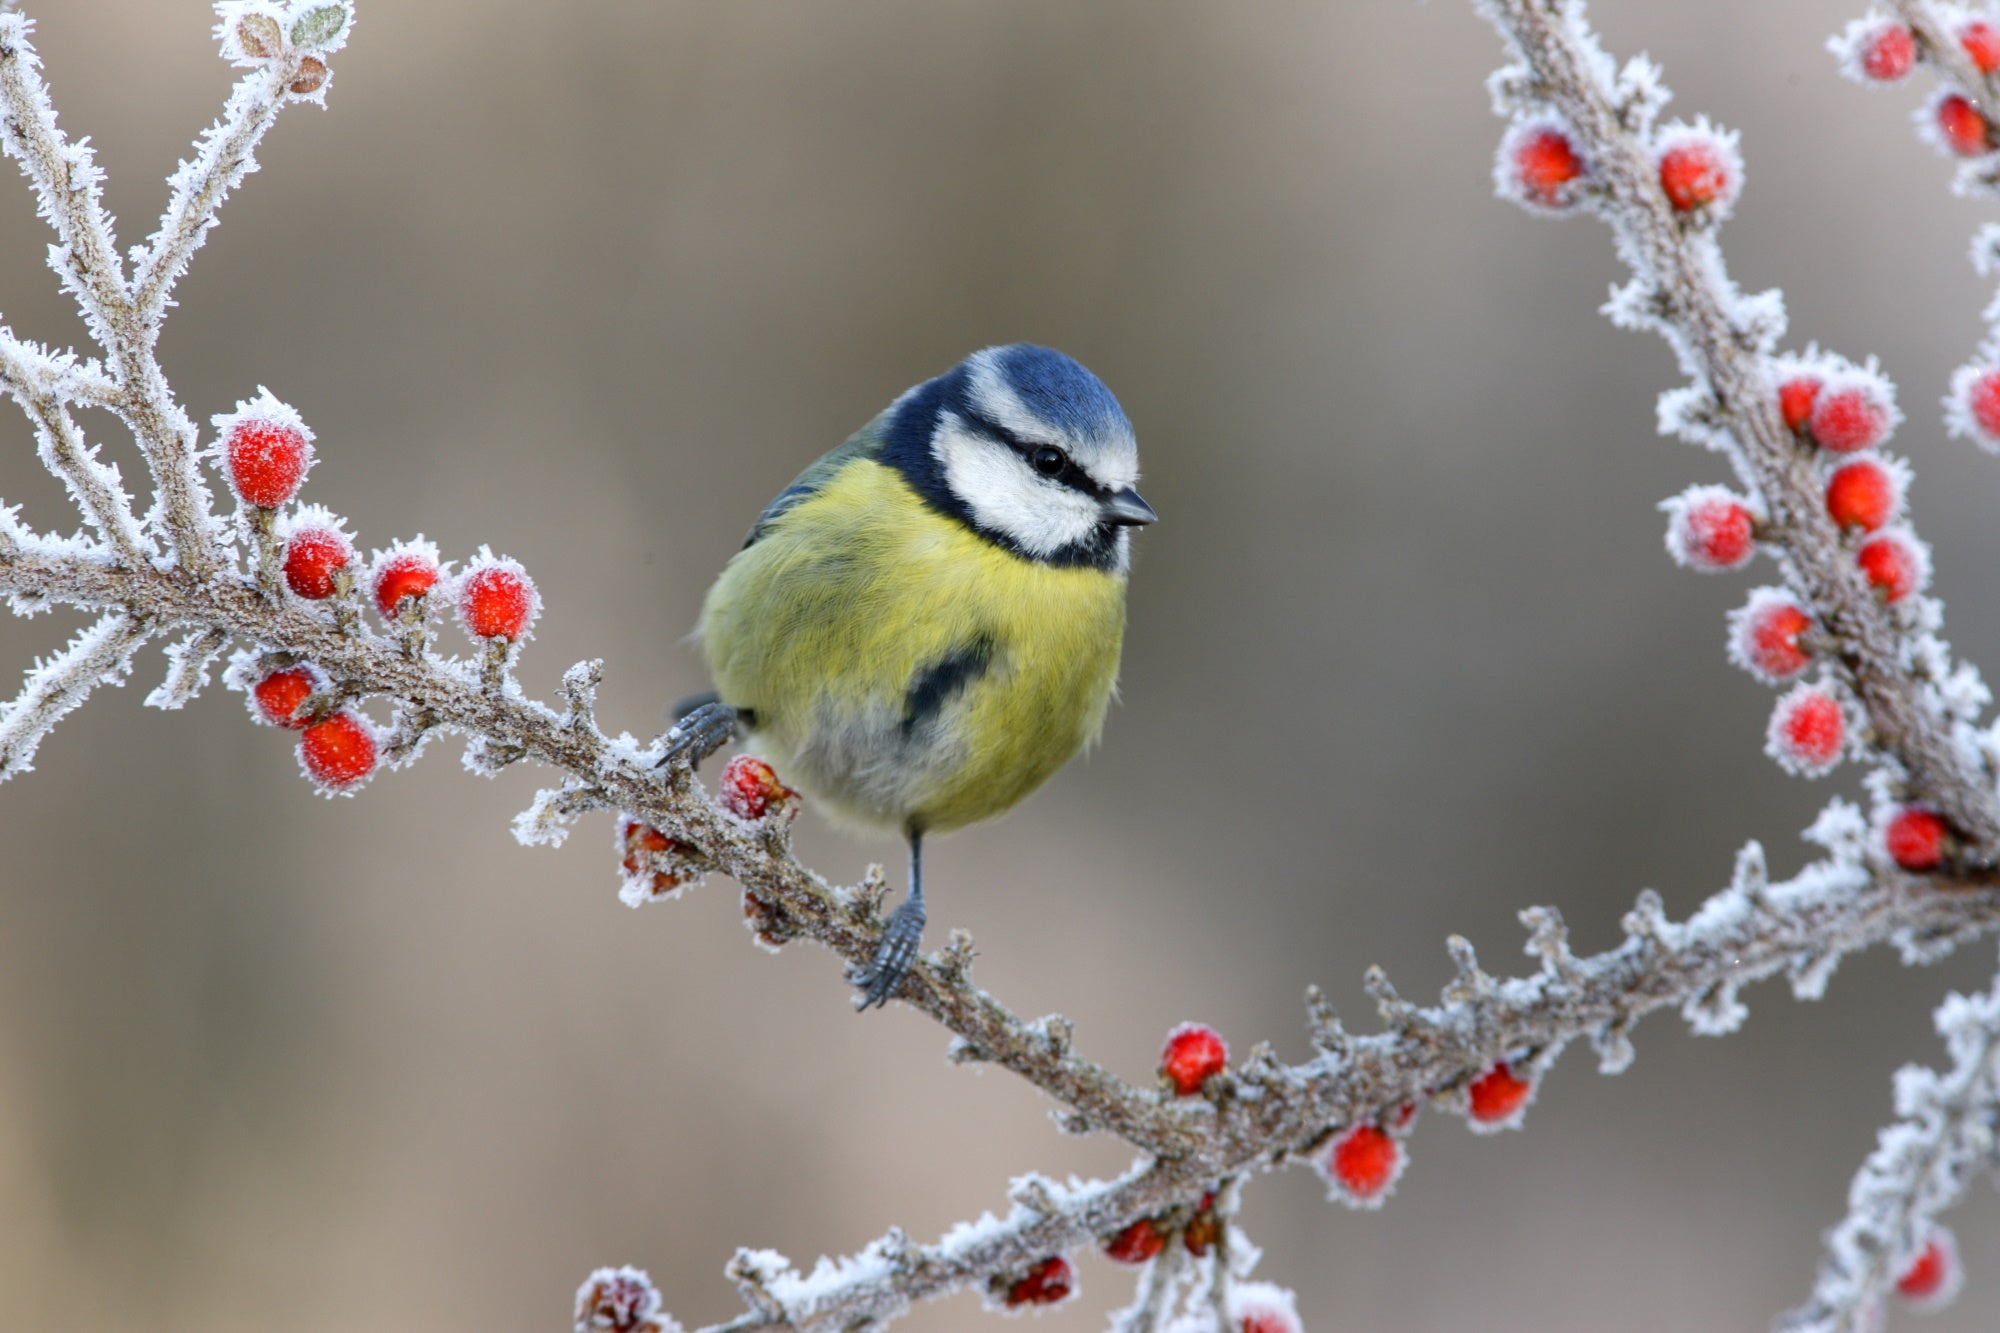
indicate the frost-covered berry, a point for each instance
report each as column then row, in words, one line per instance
column 1973, row 406
column 1880, row 49
column 749, row 788
column 1497, row 1097
column 315, row 554
column 405, row 570
column 1808, row 732
column 1864, row 494
column 1981, row 42
column 1539, row 165
column 1136, row 1243
column 1935, row 1275
column 1699, row 169
column 266, row 458
column 1260, row 1307
column 1710, row 529
column 279, row 694
column 1193, row 1053
column 1915, row 838
column 1961, row 127
column 1764, row 636
column 1363, row 1165
column 338, row 751
column 497, row 599
column 1795, row 401
column 1849, row 418
column 1047, row 1283
column 651, row 870
column 621, row 1300
column 1895, row 562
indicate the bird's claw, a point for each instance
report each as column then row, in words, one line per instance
column 700, row 734
column 893, row 956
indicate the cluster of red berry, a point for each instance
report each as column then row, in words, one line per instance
column 265, row 455
column 1881, row 50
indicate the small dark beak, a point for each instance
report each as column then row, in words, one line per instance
column 1127, row 510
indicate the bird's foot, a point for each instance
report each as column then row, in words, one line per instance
column 893, row 956
column 700, row 734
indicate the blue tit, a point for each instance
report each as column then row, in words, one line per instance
column 926, row 625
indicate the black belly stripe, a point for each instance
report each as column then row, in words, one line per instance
column 936, row 684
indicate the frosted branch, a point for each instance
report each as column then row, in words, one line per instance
column 1725, row 342
column 32, row 377
column 294, row 596
column 226, row 152
column 68, row 184
column 1942, row 1140
column 101, row 655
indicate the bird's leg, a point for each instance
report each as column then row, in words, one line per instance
column 700, row 732
column 898, row 949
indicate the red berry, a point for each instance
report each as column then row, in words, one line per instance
column 338, row 751
column 647, row 870
column 1258, row 1307
column 620, row 1300
column 1915, row 838
column 1710, row 530
column 1193, row 1052
column 1808, row 731
column 1545, row 161
column 1203, row 1229
column 1862, row 494
column 1365, row 1162
column 1136, row 1243
column 279, row 695
column 1795, row 400
column 497, row 600
column 265, row 460
column 1046, row 1283
column 1497, row 1095
column 1935, row 1275
column 1964, row 130
column 1889, row 53
column 314, row 554
column 1694, row 173
column 1980, row 390
column 750, row 787
column 401, row 573
column 1982, row 43
column 1764, row 637
column 1850, row 419
column 1893, row 563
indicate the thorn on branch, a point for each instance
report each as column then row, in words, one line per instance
column 579, row 688
column 1324, row 1025
column 1056, row 1033
column 1470, row 985
column 753, row 1272
column 1398, row 1014
column 188, row 663
column 954, row 962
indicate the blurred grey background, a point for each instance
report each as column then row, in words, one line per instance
column 591, row 282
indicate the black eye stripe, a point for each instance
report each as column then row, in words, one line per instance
column 1071, row 475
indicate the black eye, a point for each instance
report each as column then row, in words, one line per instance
column 1048, row 460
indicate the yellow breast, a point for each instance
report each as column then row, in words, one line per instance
column 902, row 669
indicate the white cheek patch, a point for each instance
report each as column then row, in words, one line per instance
column 1005, row 495
column 1112, row 464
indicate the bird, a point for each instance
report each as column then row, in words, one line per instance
column 927, row 623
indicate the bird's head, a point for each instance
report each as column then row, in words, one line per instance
column 1028, row 449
